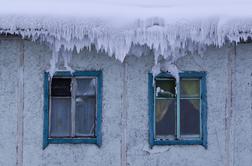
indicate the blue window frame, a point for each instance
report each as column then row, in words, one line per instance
column 178, row 111
column 72, row 108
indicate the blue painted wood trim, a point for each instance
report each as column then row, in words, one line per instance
column 77, row 73
column 204, row 110
column 72, row 141
column 194, row 74
column 99, row 109
column 88, row 73
column 183, row 74
column 63, row 74
column 46, row 110
column 178, row 142
column 98, row 139
column 151, row 109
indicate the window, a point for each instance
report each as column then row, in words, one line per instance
column 177, row 111
column 72, row 107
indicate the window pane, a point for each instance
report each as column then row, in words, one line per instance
column 86, row 86
column 190, row 116
column 61, row 87
column 165, row 88
column 60, row 117
column 165, row 117
column 85, row 116
column 190, row 88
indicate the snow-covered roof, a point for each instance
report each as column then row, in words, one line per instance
column 172, row 27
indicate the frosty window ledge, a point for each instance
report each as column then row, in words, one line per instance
column 181, row 118
column 72, row 108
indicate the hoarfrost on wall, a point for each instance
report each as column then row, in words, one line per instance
column 172, row 30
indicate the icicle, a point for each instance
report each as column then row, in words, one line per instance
column 170, row 40
column 67, row 55
column 53, row 62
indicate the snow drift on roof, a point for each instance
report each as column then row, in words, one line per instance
column 172, row 28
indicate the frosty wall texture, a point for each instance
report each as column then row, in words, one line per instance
column 125, row 109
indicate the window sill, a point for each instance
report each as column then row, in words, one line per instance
column 178, row 142
column 71, row 141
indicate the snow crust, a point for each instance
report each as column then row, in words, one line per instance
column 171, row 28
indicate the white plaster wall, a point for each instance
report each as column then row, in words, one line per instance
column 9, row 62
column 125, row 110
column 242, row 130
column 215, row 63
column 36, row 61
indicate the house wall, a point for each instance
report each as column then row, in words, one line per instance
column 125, row 109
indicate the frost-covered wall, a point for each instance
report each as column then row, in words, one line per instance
column 125, row 109
column 172, row 29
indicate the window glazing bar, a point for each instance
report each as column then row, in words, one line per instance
column 193, row 98
column 200, row 113
column 50, row 106
column 178, row 110
column 154, row 110
column 73, row 92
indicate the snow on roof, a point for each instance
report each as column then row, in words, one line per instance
column 171, row 27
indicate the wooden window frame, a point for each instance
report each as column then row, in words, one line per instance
column 178, row 140
column 73, row 140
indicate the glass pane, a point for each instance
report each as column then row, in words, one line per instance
column 190, row 116
column 61, row 117
column 165, row 88
column 86, row 86
column 190, row 88
column 165, row 117
column 61, row 87
column 85, row 116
